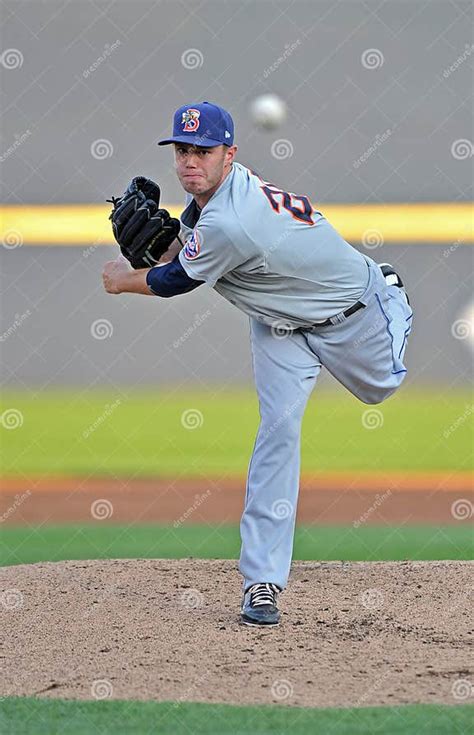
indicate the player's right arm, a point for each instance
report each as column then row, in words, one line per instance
column 170, row 279
column 165, row 280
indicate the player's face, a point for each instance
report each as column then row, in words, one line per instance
column 201, row 170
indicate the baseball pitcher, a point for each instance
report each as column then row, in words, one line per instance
column 312, row 299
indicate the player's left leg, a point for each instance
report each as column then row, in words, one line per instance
column 365, row 352
column 285, row 372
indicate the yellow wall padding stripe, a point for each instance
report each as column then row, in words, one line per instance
column 370, row 224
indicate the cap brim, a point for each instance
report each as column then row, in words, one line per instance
column 198, row 140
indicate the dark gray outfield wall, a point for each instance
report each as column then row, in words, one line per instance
column 89, row 71
column 92, row 70
column 61, row 328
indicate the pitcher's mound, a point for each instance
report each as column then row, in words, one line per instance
column 354, row 634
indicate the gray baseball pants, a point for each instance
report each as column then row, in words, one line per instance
column 365, row 353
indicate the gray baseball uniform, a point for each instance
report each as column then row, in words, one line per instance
column 268, row 252
column 276, row 263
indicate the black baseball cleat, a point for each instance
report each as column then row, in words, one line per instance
column 259, row 606
column 392, row 278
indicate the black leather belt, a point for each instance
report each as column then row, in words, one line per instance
column 327, row 322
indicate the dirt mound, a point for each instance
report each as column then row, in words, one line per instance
column 351, row 635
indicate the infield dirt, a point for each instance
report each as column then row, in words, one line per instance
column 331, row 498
column 352, row 634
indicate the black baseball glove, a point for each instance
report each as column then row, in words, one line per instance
column 143, row 230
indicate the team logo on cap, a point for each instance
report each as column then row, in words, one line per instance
column 192, row 247
column 190, row 119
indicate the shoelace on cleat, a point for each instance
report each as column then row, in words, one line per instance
column 263, row 594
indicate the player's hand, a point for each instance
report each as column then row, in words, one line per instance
column 113, row 272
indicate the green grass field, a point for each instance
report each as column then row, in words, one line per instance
column 22, row 545
column 56, row 717
column 144, row 433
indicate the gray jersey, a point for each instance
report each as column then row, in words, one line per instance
column 268, row 252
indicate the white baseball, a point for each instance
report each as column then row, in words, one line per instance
column 268, row 111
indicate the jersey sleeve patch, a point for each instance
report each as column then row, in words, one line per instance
column 193, row 246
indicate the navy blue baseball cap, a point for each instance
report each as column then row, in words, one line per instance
column 202, row 124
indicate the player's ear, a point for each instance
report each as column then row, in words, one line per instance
column 230, row 153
